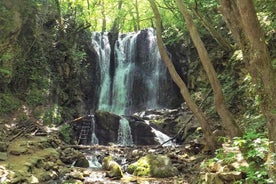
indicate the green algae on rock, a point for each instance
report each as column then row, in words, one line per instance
column 159, row 166
column 113, row 168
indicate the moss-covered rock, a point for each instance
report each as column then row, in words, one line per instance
column 113, row 168
column 82, row 162
column 159, row 166
column 140, row 168
column 69, row 155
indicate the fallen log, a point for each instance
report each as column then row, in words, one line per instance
column 78, row 120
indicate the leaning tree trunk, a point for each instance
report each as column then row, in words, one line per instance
column 249, row 36
column 210, row 139
column 222, row 41
column 228, row 122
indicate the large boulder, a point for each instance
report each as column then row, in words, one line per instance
column 141, row 132
column 107, row 125
column 159, row 166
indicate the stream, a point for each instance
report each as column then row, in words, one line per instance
column 125, row 156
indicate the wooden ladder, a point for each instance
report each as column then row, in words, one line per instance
column 85, row 129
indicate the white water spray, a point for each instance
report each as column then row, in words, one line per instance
column 124, row 133
column 94, row 139
column 102, row 47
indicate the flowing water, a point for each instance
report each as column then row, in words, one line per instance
column 102, row 47
column 124, row 133
column 139, row 72
column 94, row 139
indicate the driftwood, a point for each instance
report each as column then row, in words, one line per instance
column 78, row 147
column 77, row 120
column 27, row 127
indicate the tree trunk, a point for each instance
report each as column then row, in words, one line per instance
column 222, row 41
column 103, row 16
column 250, row 38
column 227, row 120
column 210, row 139
column 137, row 15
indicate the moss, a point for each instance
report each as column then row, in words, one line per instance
column 153, row 165
column 132, row 167
column 140, row 168
column 82, row 162
column 142, row 171
column 113, row 167
column 65, row 132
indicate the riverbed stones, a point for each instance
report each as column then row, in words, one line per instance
column 69, row 155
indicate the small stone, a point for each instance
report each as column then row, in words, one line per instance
column 34, row 180
column 230, row 176
column 76, row 175
column 212, row 178
column 3, row 146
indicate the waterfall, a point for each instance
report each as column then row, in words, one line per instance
column 139, row 79
column 93, row 162
column 161, row 137
column 123, row 80
column 94, row 139
column 124, row 133
column 157, row 75
column 139, row 73
column 102, row 47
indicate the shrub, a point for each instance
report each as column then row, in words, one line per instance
column 8, row 103
column 65, row 133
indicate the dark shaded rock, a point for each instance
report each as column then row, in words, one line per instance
column 82, row 162
column 3, row 146
column 89, row 78
column 146, row 63
column 107, row 125
column 69, row 155
column 18, row 151
column 142, row 133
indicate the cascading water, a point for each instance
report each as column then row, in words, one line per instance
column 123, row 80
column 102, row 47
column 93, row 162
column 139, row 72
column 94, row 139
column 124, row 133
column 139, row 79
